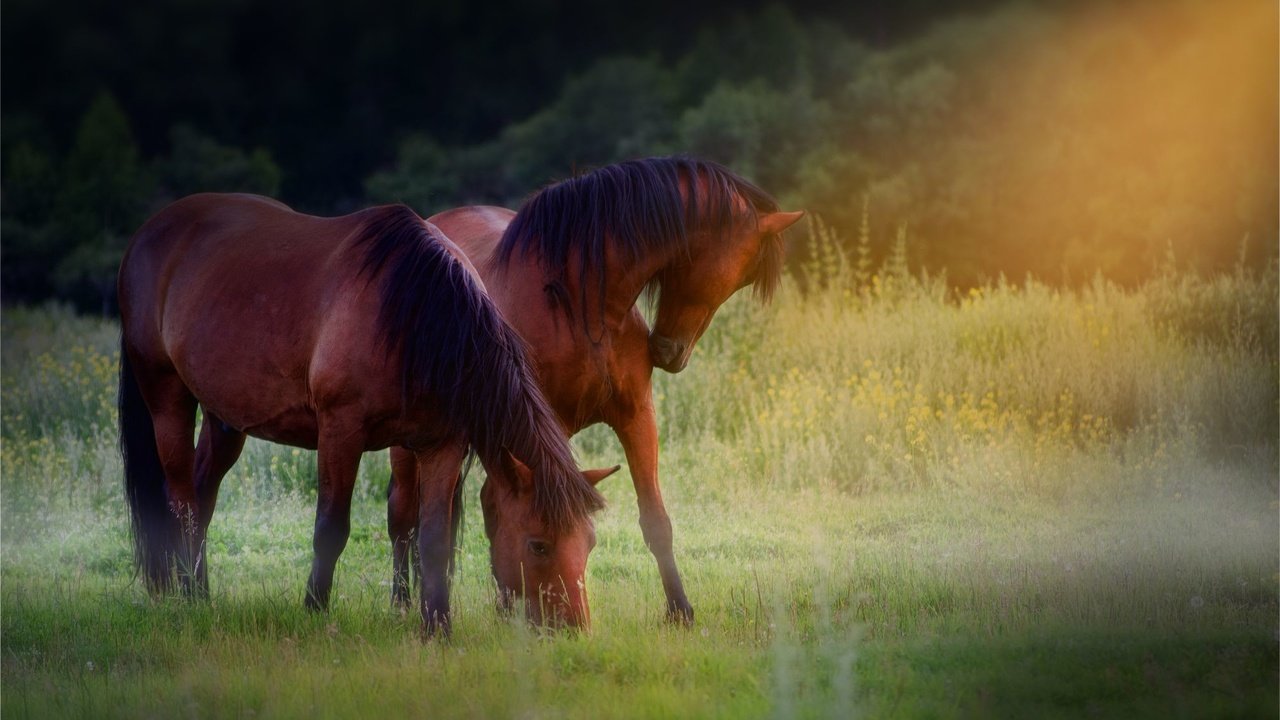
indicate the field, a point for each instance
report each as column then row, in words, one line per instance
column 890, row 500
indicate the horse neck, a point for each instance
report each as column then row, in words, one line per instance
column 624, row 281
column 527, row 278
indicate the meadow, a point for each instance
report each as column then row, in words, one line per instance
column 890, row 498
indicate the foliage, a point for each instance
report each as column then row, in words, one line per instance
column 1003, row 151
column 1058, row 139
column 617, row 108
column 65, row 228
column 98, row 205
column 198, row 163
column 29, row 248
column 332, row 91
column 424, row 178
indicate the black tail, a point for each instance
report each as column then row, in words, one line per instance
column 155, row 529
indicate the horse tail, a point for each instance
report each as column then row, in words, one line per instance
column 154, row 527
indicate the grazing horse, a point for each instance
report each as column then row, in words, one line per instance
column 344, row 335
column 567, row 270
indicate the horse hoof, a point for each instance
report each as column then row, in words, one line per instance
column 680, row 613
column 435, row 631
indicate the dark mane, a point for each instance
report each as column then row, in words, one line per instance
column 637, row 205
column 457, row 354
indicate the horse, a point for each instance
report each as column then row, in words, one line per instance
column 567, row 271
column 342, row 335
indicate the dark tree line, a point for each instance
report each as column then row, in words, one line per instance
column 1053, row 138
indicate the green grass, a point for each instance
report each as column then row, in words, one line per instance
column 889, row 502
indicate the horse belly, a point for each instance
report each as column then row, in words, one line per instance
column 295, row 427
column 244, row 369
column 416, row 431
column 272, row 411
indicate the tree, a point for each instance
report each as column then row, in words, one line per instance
column 30, row 184
column 102, row 200
column 762, row 133
column 620, row 108
column 423, row 178
column 198, row 163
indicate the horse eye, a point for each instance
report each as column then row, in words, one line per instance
column 539, row 548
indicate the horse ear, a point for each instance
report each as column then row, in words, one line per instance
column 518, row 474
column 774, row 223
column 595, row 476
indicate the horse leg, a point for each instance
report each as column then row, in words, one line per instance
column 455, row 528
column 639, row 437
column 173, row 412
column 438, row 479
column 217, row 450
column 338, row 459
column 402, row 522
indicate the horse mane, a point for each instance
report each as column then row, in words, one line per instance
column 637, row 206
column 458, row 354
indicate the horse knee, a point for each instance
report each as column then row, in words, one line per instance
column 657, row 532
column 402, row 514
column 331, row 535
column 435, row 546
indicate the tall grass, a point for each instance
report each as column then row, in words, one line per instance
column 891, row 498
column 897, row 382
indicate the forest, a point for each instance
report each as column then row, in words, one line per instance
column 1046, row 139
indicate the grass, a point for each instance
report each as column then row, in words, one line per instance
column 890, row 501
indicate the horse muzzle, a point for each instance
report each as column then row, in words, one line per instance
column 667, row 354
column 556, row 610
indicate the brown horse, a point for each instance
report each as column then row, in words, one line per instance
column 567, row 271
column 344, row 335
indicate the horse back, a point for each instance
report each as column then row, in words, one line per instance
column 475, row 229
column 260, row 310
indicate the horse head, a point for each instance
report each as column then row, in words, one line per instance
column 532, row 559
column 694, row 288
